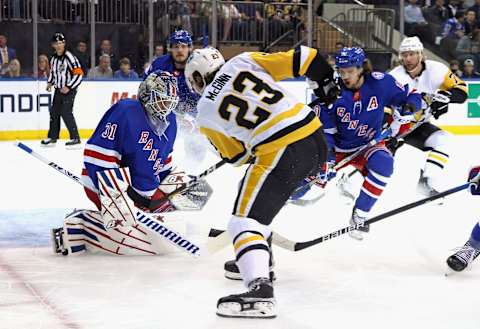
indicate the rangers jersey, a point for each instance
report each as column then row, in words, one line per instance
column 125, row 138
column 358, row 115
column 244, row 112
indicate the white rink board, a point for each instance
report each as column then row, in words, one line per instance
column 24, row 104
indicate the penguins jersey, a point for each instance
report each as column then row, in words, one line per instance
column 244, row 112
column 434, row 76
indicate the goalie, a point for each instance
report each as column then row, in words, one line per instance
column 128, row 164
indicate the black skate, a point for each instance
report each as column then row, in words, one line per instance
column 73, row 144
column 57, row 242
column 463, row 257
column 232, row 271
column 48, row 142
column 258, row 302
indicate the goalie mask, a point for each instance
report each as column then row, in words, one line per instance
column 158, row 94
column 201, row 67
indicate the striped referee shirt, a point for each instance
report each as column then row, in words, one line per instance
column 65, row 70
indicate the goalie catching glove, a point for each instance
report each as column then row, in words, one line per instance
column 474, row 179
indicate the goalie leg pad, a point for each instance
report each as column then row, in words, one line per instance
column 84, row 231
column 117, row 208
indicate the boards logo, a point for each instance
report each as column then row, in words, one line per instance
column 116, row 96
column 11, row 103
column 473, row 101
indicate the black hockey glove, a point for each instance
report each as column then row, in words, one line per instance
column 439, row 106
column 328, row 90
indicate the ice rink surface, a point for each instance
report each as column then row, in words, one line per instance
column 393, row 279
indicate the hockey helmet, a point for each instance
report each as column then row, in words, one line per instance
column 348, row 57
column 201, row 67
column 411, row 44
column 158, row 94
column 180, row 37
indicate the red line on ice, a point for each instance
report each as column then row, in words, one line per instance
column 46, row 303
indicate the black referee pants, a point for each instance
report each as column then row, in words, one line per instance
column 63, row 108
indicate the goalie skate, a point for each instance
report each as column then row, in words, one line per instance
column 257, row 302
column 57, row 242
column 462, row 259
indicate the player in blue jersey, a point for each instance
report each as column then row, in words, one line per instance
column 466, row 254
column 180, row 47
column 127, row 164
column 356, row 118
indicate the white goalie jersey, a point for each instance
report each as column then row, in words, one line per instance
column 244, row 112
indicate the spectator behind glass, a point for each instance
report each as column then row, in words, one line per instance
column 476, row 9
column 339, row 46
column 469, row 70
column 102, row 70
column 14, row 69
column 453, row 31
column 437, row 15
column 415, row 23
column 6, row 54
column 81, row 52
column 159, row 51
column 249, row 25
column 43, row 69
column 470, row 23
column 125, row 73
column 106, row 49
column 468, row 47
column 455, row 68
column 454, row 6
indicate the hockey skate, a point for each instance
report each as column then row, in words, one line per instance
column 48, row 142
column 424, row 187
column 355, row 220
column 232, row 271
column 464, row 256
column 57, row 242
column 257, row 302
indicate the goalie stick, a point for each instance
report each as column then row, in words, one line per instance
column 288, row 244
column 148, row 221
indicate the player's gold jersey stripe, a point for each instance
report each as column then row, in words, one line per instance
column 240, row 243
column 311, row 55
column 228, row 147
column 254, row 175
column 282, row 116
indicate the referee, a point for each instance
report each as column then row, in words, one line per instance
column 65, row 76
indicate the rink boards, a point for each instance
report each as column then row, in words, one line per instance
column 24, row 106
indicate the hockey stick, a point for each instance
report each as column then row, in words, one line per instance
column 148, row 221
column 384, row 135
column 297, row 246
column 288, row 244
column 153, row 204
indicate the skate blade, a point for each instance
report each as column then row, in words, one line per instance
column 356, row 235
column 48, row 145
column 261, row 310
column 233, row 276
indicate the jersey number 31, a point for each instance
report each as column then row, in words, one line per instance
column 242, row 106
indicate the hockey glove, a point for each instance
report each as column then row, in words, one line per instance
column 327, row 90
column 439, row 105
column 401, row 117
column 474, row 179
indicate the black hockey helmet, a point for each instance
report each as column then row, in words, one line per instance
column 58, row 37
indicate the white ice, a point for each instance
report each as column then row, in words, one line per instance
column 393, row 279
